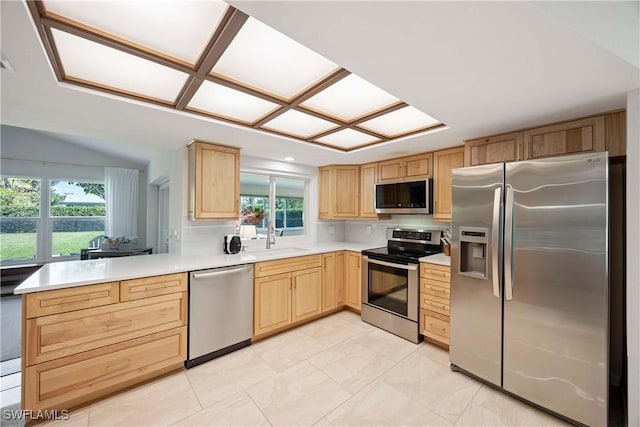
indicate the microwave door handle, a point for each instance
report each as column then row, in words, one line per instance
column 508, row 244
column 495, row 234
column 390, row 264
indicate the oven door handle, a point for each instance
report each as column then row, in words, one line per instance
column 411, row 267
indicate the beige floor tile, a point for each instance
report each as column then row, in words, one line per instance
column 10, row 396
column 300, row 395
column 10, row 381
column 237, row 410
column 227, row 375
column 491, row 407
column 434, row 353
column 331, row 330
column 385, row 343
column 285, row 351
column 160, row 403
column 350, row 316
column 351, row 364
column 323, row 423
column 379, row 404
column 432, row 384
column 77, row 418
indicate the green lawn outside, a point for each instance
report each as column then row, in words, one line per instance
column 23, row 245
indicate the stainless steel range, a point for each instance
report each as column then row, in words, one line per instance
column 390, row 280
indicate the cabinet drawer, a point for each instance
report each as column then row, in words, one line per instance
column 433, row 274
column 439, row 305
column 434, row 325
column 287, row 265
column 70, row 299
column 79, row 378
column 60, row 335
column 430, row 288
column 152, row 286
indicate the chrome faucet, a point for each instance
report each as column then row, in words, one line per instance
column 271, row 235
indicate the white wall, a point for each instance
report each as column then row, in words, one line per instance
column 29, row 153
column 633, row 256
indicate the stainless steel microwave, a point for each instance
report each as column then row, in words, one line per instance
column 409, row 197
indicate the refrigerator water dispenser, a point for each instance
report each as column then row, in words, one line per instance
column 473, row 259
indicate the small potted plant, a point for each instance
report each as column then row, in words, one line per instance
column 252, row 215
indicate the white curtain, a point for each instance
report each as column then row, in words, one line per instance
column 121, row 194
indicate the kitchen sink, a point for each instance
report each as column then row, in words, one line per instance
column 281, row 251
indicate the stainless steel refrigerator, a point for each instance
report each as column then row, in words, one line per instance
column 529, row 281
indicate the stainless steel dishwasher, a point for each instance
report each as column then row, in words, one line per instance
column 220, row 312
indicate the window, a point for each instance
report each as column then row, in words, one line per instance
column 20, row 201
column 77, row 216
column 44, row 220
column 288, row 193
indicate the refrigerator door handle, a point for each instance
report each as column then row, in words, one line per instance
column 508, row 243
column 495, row 234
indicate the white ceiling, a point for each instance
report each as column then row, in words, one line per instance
column 480, row 67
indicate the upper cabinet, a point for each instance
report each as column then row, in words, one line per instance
column 339, row 191
column 406, row 168
column 368, row 181
column 214, row 181
column 605, row 132
column 577, row 136
column 494, row 149
column 443, row 163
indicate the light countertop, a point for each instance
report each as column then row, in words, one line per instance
column 440, row 259
column 68, row 274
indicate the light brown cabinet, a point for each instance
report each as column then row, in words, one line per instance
column 332, row 280
column 368, row 181
column 495, row 149
column 339, row 191
column 406, row 168
column 353, row 279
column 214, row 181
column 286, row 291
column 435, row 303
column 616, row 133
column 577, row 136
column 86, row 342
column 443, row 163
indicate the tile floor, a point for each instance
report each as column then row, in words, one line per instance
column 336, row 371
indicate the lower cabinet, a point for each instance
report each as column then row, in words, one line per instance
column 353, row 279
column 82, row 345
column 286, row 291
column 435, row 300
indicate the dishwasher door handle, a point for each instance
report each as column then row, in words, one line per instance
column 220, row 273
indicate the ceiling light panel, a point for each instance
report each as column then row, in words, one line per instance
column 177, row 29
column 263, row 58
column 347, row 138
column 96, row 63
column 226, row 102
column 350, row 98
column 399, row 122
column 300, row 124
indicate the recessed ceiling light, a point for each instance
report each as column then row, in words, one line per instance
column 289, row 159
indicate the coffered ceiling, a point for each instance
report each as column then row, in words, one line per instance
column 480, row 67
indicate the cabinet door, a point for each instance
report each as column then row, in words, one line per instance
column 616, row 133
column 390, row 170
column 71, row 299
column 340, row 277
column 354, row 280
column 153, row 286
column 307, row 293
column 368, row 180
column 325, row 192
column 272, row 303
column 495, row 149
column 216, row 190
column 577, row 136
column 346, row 193
column 329, row 283
column 418, row 167
column 443, row 163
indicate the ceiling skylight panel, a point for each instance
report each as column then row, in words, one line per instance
column 262, row 57
column 299, row 124
column 399, row 122
column 226, row 102
column 95, row 63
column 180, row 29
column 347, row 138
column 350, row 98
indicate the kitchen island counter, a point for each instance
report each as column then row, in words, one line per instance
column 68, row 274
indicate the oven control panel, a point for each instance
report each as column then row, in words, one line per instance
column 431, row 237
